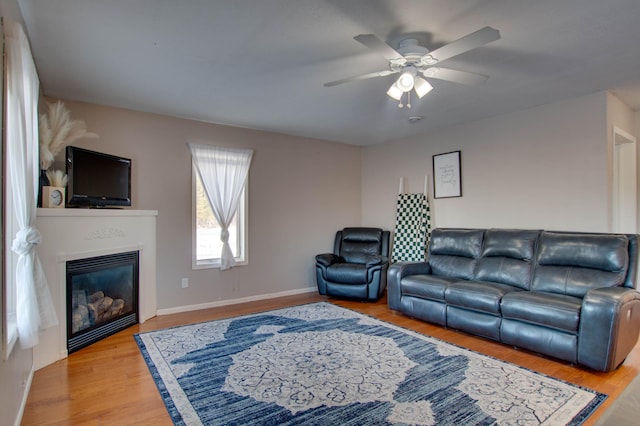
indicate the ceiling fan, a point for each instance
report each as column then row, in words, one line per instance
column 411, row 60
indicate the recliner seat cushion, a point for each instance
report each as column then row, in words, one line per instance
column 430, row 287
column 550, row 310
column 347, row 273
column 477, row 295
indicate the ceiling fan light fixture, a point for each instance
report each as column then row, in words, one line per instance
column 421, row 86
column 406, row 80
column 395, row 92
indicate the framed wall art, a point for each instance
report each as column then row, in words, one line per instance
column 446, row 175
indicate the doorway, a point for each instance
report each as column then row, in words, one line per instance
column 624, row 182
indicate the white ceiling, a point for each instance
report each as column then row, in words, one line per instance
column 261, row 64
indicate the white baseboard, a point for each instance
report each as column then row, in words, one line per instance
column 25, row 396
column 217, row 304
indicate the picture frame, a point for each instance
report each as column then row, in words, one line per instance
column 447, row 182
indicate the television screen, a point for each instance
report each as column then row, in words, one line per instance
column 97, row 179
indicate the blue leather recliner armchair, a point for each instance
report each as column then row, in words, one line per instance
column 357, row 268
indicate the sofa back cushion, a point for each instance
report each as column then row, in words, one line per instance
column 573, row 264
column 454, row 252
column 508, row 257
column 356, row 244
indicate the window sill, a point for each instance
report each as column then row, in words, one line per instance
column 214, row 264
column 12, row 339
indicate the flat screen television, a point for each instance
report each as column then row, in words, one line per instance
column 97, row 179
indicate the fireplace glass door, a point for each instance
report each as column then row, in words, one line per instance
column 102, row 297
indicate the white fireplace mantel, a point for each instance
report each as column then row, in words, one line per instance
column 70, row 234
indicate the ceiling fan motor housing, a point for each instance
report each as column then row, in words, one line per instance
column 413, row 55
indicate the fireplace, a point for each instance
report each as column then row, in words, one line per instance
column 102, row 297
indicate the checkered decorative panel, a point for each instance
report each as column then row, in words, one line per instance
column 413, row 228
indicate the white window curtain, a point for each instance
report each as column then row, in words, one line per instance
column 34, row 307
column 223, row 172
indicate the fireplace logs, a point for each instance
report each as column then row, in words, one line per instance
column 97, row 309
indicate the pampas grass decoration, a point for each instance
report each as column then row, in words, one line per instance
column 57, row 130
column 57, row 178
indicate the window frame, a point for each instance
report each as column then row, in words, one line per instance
column 8, row 221
column 9, row 261
column 242, row 257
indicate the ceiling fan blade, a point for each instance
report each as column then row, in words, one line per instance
column 360, row 77
column 374, row 43
column 466, row 43
column 462, row 77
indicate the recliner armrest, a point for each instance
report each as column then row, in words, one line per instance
column 609, row 327
column 327, row 259
column 376, row 259
column 397, row 271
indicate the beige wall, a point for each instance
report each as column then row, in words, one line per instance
column 544, row 167
column 300, row 192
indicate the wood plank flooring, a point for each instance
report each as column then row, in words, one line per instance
column 108, row 383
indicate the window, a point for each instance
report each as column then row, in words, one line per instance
column 26, row 289
column 207, row 246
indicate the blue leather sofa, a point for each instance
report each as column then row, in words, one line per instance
column 567, row 295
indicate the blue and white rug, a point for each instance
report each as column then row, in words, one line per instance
column 320, row 364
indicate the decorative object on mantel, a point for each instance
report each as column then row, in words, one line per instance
column 57, row 178
column 56, row 131
column 53, row 197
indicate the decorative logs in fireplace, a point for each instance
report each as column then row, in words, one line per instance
column 98, row 308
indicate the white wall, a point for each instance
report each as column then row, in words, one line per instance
column 544, row 167
column 300, row 192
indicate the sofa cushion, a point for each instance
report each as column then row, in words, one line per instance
column 598, row 251
column 426, row 286
column 454, row 252
column 547, row 309
column 456, row 242
column 507, row 257
column 477, row 295
column 573, row 264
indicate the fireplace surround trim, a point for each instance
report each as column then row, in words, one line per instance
column 71, row 234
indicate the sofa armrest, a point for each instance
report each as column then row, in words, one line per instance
column 397, row 271
column 609, row 327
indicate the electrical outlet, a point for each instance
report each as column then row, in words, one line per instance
column 185, row 282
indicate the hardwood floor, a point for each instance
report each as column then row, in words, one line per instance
column 108, row 383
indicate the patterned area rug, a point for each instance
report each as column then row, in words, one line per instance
column 320, row 364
